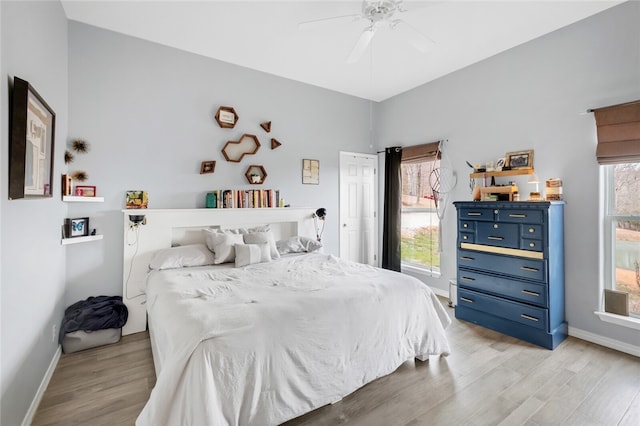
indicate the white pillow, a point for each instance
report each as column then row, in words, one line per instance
column 297, row 245
column 310, row 244
column 222, row 246
column 248, row 254
column 261, row 228
column 263, row 237
column 182, row 256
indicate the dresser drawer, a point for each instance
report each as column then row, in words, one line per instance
column 498, row 234
column 467, row 237
column 512, row 311
column 529, row 244
column 500, row 286
column 519, row 216
column 531, row 231
column 467, row 225
column 531, row 269
column 475, row 214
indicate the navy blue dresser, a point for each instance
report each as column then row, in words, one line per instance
column 511, row 268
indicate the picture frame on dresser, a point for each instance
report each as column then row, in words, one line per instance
column 519, row 159
column 31, row 145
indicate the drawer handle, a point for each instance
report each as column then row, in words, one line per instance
column 465, row 226
column 531, row 230
column 517, row 215
column 495, row 226
column 464, row 299
column 526, row 268
column 474, row 214
column 495, row 212
column 532, row 244
column 467, row 258
column 529, row 317
column 495, row 238
column 467, row 279
column 531, row 293
column 464, row 237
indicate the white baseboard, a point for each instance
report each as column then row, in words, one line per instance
column 605, row 341
column 31, row 412
column 440, row 292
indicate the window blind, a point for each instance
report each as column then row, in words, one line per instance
column 618, row 129
column 424, row 152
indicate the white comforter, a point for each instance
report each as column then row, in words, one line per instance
column 264, row 344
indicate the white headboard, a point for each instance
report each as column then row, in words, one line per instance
column 167, row 228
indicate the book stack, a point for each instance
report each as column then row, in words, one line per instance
column 244, row 198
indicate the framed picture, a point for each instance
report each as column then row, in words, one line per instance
column 31, row 146
column 207, row 167
column 85, row 191
column 78, row 227
column 311, row 172
column 137, row 200
column 519, row 159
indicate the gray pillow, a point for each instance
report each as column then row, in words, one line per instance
column 248, row 254
column 263, row 237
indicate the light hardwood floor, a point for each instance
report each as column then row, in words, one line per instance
column 489, row 379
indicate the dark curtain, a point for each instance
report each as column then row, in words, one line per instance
column 392, row 209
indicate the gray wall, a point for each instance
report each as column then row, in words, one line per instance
column 34, row 47
column 533, row 97
column 147, row 110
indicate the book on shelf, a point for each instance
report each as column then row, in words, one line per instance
column 242, row 198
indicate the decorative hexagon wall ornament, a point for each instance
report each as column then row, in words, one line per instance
column 256, row 174
column 226, row 117
column 235, row 150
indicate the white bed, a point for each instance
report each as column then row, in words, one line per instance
column 265, row 343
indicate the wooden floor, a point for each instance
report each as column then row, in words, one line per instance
column 489, row 379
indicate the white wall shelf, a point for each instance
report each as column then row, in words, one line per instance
column 77, row 199
column 76, row 240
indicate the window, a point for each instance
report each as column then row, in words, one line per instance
column 419, row 245
column 622, row 231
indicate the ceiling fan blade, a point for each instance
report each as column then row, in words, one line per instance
column 321, row 23
column 418, row 40
column 361, row 44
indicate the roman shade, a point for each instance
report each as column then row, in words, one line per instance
column 618, row 133
column 424, row 152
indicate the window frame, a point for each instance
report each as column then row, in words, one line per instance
column 609, row 219
column 413, row 267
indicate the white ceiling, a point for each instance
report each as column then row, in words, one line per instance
column 264, row 35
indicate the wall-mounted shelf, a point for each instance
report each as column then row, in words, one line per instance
column 77, row 199
column 256, row 174
column 76, row 240
column 502, row 173
column 235, row 150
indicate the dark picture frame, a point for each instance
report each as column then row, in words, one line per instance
column 32, row 143
column 520, row 159
column 77, row 227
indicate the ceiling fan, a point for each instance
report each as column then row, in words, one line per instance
column 377, row 13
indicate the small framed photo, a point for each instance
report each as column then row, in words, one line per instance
column 311, row 172
column 519, row 159
column 85, row 191
column 78, row 227
column 207, row 167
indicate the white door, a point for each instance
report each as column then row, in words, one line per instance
column 358, row 201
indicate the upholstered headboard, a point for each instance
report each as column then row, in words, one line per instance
column 167, row 228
